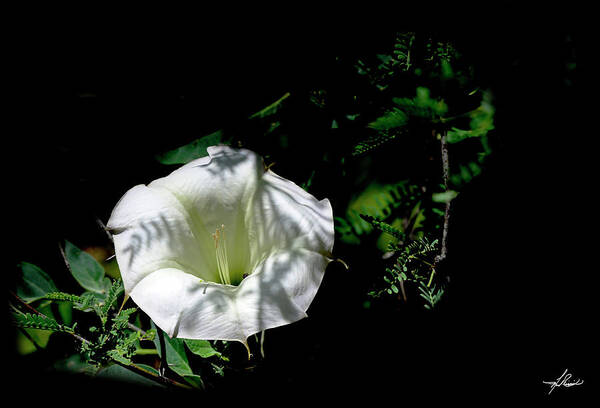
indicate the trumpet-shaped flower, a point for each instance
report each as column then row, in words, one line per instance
column 221, row 248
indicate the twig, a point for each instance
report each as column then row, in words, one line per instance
column 445, row 174
column 25, row 304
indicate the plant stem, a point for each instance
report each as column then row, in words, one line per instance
column 431, row 277
column 445, row 175
column 146, row 352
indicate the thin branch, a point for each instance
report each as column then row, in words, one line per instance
column 445, row 175
column 25, row 304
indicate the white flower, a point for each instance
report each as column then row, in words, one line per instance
column 222, row 248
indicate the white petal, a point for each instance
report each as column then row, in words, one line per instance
column 153, row 231
column 217, row 192
column 283, row 215
column 179, row 302
column 279, row 292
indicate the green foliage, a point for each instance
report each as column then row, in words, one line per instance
column 115, row 290
column 374, row 141
column 108, row 342
column 382, row 226
column 444, row 197
column 197, row 148
column 431, row 295
column 118, row 373
column 422, row 106
column 36, row 321
column 414, row 264
column 86, row 270
column 396, row 204
column 193, row 150
column 178, row 359
column 392, row 119
column 204, row 349
column 32, row 282
column 482, row 121
column 271, row 109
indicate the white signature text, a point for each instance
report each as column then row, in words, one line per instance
column 563, row 381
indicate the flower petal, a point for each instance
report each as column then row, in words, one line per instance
column 217, row 192
column 184, row 306
column 283, row 215
column 151, row 231
column 279, row 292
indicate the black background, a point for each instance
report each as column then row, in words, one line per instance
column 515, row 316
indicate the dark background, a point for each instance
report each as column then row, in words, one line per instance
column 96, row 102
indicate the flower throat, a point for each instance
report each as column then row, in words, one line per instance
column 221, row 253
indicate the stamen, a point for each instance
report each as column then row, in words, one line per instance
column 221, row 254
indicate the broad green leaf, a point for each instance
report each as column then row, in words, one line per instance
column 191, row 151
column 202, row 348
column 122, row 374
column 194, row 380
column 86, row 270
column 33, row 283
column 177, row 358
column 25, row 346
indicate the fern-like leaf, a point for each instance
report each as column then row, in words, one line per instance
column 375, row 141
column 64, row 296
column 35, row 321
column 115, row 290
column 382, row 226
column 390, row 120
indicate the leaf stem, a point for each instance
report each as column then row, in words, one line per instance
column 146, row 352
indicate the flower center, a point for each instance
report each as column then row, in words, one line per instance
column 221, row 253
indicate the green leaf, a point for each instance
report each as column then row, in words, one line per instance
column 177, row 358
column 202, row 348
column 191, row 151
column 271, row 109
column 375, row 141
column 34, row 321
column 33, row 283
column 86, row 270
column 115, row 290
column 444, row 197
column 382, row 226
column 121, row 374
column 390, row 120
column 482, row 121
column 422, row 106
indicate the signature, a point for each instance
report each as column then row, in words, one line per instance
column 563, row 381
